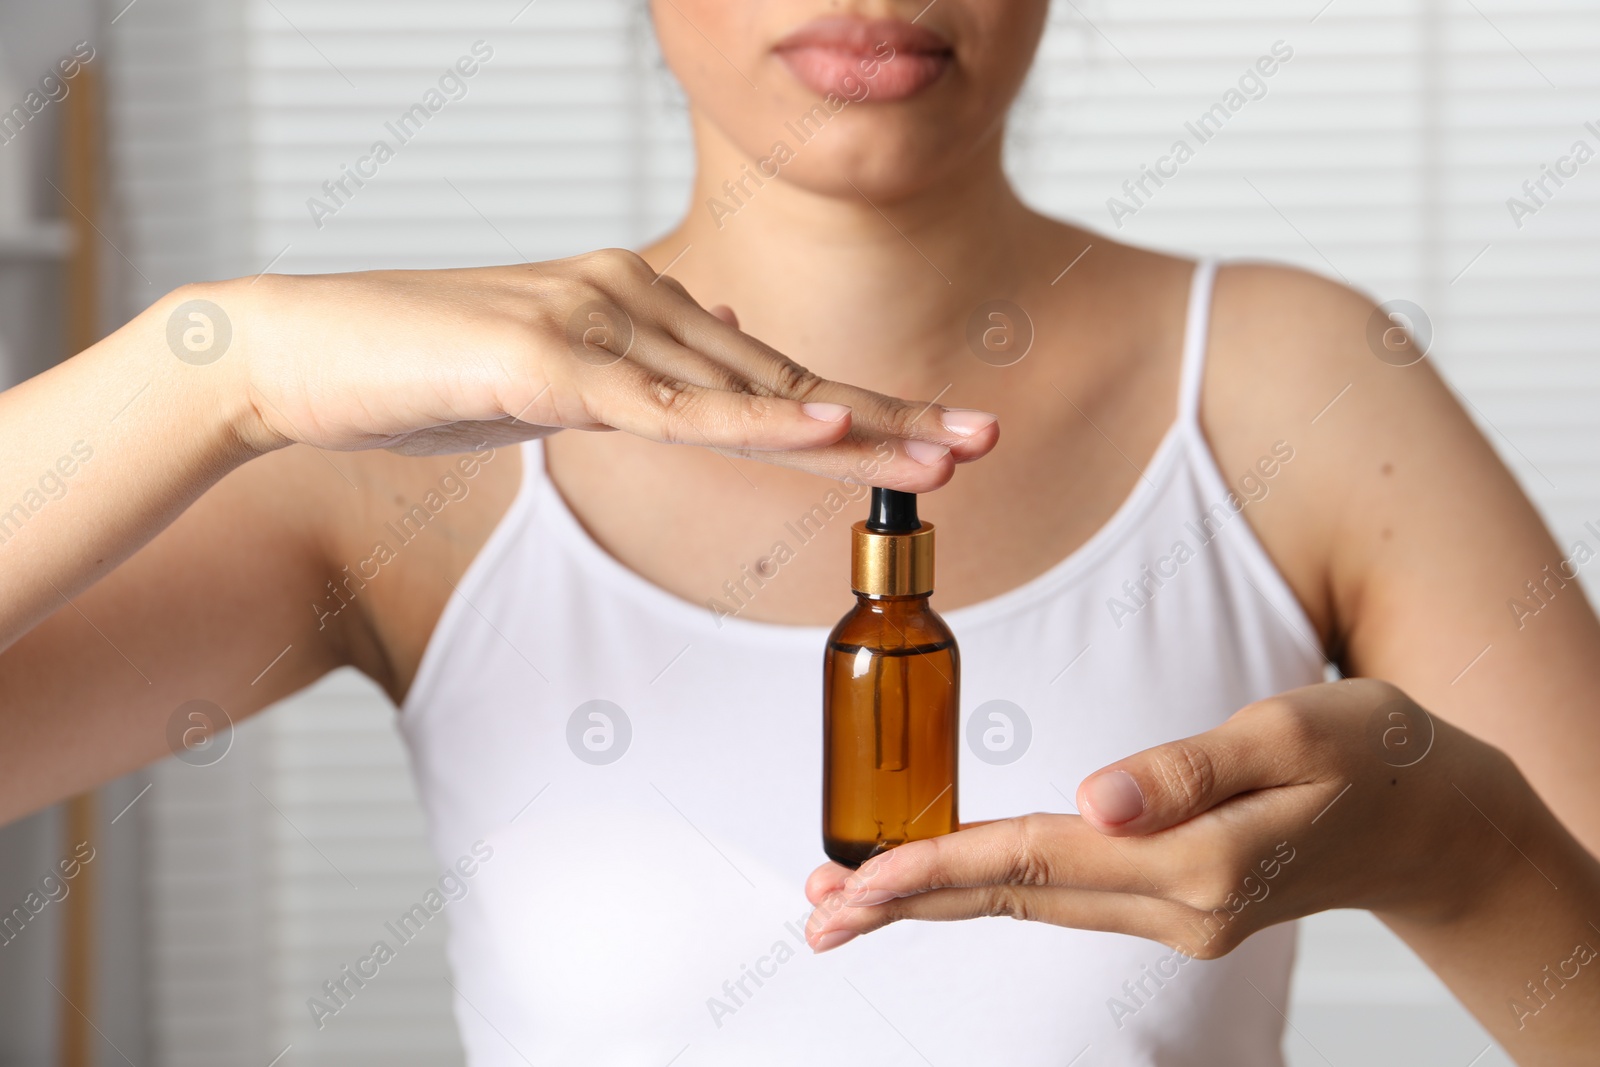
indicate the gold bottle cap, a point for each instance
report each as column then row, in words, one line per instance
column 891, row 564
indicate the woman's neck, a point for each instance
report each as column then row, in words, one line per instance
column 853, row 284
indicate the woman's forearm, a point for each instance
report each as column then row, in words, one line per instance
column 104, row 450
column 1521, row 951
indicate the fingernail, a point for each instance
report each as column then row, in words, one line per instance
column 866, row 898
column 926, row 452
column 832, row 939
column 1114, row 797
column 966, row 421
column 825, row 412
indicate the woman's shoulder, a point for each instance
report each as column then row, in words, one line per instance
column 1305, row 365
column 1292, row 364
column 1284, row 343
column 1286, row 347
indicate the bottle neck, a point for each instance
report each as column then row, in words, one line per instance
column 892, row 603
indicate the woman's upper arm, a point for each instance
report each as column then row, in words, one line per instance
column 1413, row 548
column 218, row 608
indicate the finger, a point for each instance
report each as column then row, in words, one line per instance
column 1172, row 783
column 825, row 881
column 833, row 923
column 863, row 461
column 1039, row 849
column 661, row 407
column 928, row 432
column 715, row 332
column 913, row 447
column 831, row 877
column 663, row 355
column 926, row 428
column 655, row 363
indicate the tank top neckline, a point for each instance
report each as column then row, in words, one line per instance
column 541, row 493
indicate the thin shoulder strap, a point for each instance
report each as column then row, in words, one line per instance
column 533, row 473
column 1196, row 329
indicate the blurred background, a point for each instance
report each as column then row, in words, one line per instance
column 1391, row 150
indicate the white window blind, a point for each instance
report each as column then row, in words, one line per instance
column 1381, row 151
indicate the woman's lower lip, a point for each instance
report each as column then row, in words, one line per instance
column 845, row 73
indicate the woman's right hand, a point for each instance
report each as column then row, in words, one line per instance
column 447, row 360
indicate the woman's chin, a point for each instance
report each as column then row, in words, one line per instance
column 877, row 175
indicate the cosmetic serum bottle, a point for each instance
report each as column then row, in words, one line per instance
column 891, row 685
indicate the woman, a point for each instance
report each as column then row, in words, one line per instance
column 606, row 653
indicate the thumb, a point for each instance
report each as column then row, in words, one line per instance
column 1174, row 782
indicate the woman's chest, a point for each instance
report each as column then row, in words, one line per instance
column 775, row 544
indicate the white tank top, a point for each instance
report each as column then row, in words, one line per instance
column 642, row 902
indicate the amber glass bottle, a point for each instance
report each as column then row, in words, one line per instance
column 890, row 690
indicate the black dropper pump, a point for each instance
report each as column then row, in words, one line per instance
column 893, row 512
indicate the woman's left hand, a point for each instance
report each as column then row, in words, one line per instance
column 1333, row 796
